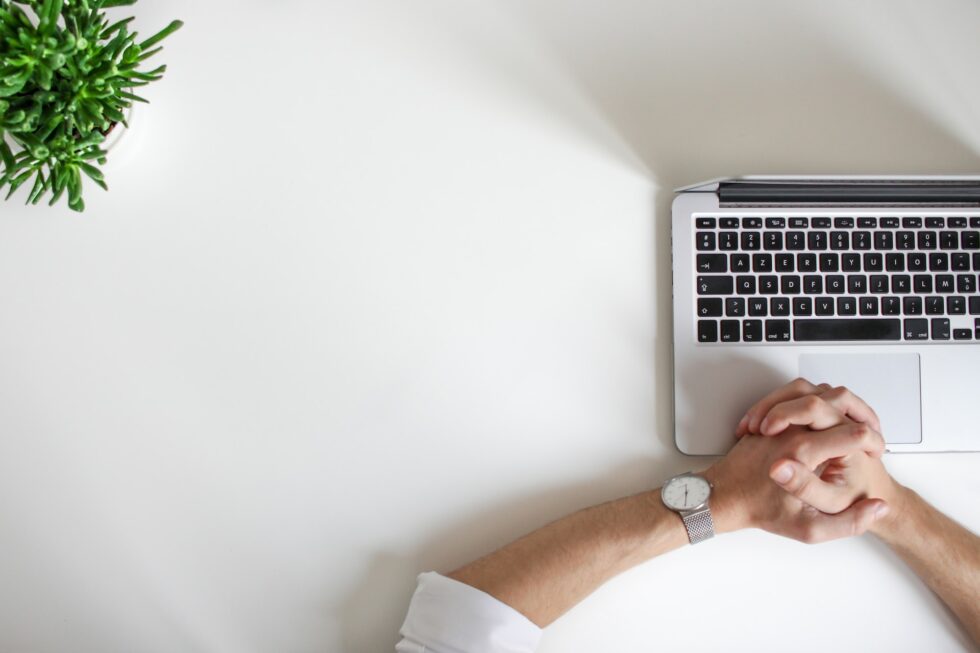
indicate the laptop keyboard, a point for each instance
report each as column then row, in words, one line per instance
column 890, row 279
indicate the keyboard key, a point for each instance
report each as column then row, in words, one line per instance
column 785, row 263
column 775, row 223
column 758, row 307
column 799, row 223
column 927, row 239
column 891, row 306
column 779, row 306
column 707, row 331
column 850, row 262
column 949, row 240
column 727, row 241
column 869, row 305
column 970, row 240
column 938, row 262
column 901, row 284
column 912, row 305
column 728, row 223
column 772, row 241
column 829, row 262
column 704, row 223
column 873, row 262
column 975, row 222
column 962, row 334
column 867, row 223
column 768, row 284
column 740, row 262
column 750, row 240
column 974, row 305
column 713, row 285
column 709, row 307
column 960, row 261
column 846, row 306
column 806, row 262
column 966, row 283
column 789, row 284
column 752, row 330
column 917, row 262
column 916, row 328
column 956, row 223
column 777, row 330
column 905, row 240
column 812, row 284
column 843, row 223
column 956, row 305
column 890, row 223
column 922, row 283
column 976, row 328
column 976, row 262
column 912, row 223
column 712, row 263
column 895, row 262
column 835, row 283
column 878, row 283
column 935, row 223
column 940, row 328
column 840, row 240
column 884, row 240
column 934, row 305
column 745, row 285
column 816, row 240
column 730, row 330
column 820, row 223
column 857, row 284
column 762, row 262
column 944, row 283
column 735, row 307
column 861, row 240
column 705, row 241
column 795, row 240
column 823, row 306
column 802, row 306
column 847, row 329
column 751, row 223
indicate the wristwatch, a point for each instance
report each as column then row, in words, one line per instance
column 687, row 495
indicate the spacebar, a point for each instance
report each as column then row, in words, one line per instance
column 858, row 329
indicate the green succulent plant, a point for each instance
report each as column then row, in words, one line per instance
column 67, row 76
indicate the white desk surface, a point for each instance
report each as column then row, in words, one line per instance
column 382, row 285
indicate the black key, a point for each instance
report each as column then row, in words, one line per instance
column 846, row 306
column 976, row 328
column 707, row 331
column 728, row 223
column 735, row 307
column 956, row 223
column 777, row 330
column 775, row 223
column 912, row 223
column 927, row 239
column 799, row 223
column 873, row 262
column 912, row 305
column 712, row 263
column 784, row 263
column 730, row 330
column 835, row 283
column 916, row 328
column 727, row 241
column 823, row 306
column 840, row 240
column 889, row 223
column 816, row 240
column 751, row 223
column 966, row 283
column 712, row 285
column 758, row 307
column 944, row 283
column 850, row 262
column 861, row 240
column 829, row 263
column 869, row 305
column 812, row 284
column 922, row 283
column 847, row 329
column 935, row 223
column 891, row 306
column 843, row 223
column 802, row 306
column 867, row 223
column 779, row 306
column 704, row 223
column 905, row 239
column 752, row 330
column 795, row 240
column 884, row 240
column 974, row 305
column 976, row 262
column 820, row 223
column 857, row 284
column 750, row 240
column 879, row 283
column 772, row 241
column 740, row 262
column 975, row 222
column 962, row 334
column 956, row 305
column 901, row 284
column 960, row 261
column 806, row 262
column 709, row 306
column 934, row 305
column 970, row 240
column 949, row 240
column 745, row 285
column 790, row 284
column 938, row 262
column 762, row 262
column 895, row 262
column 940, row 328
column 768, row 284
column 917, row 262
column 706, row 241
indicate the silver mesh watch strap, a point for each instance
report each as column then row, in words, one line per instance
column 699, row 526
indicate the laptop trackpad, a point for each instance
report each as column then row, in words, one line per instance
column 889, row 383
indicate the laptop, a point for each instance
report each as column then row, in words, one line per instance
column 866, row 282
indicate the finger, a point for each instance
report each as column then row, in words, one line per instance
column 814, row 449
column 810, row 410
column 817, row 527
column 750, row 422
column 809, row 488
column 852, row 405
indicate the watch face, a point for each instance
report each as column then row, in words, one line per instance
column 685, row 492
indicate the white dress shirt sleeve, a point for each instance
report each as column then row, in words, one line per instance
column 446, row 616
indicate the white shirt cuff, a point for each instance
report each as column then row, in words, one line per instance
column 446, row 616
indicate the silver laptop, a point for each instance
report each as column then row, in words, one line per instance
column 867, row 282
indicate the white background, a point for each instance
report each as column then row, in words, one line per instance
column 381, row 285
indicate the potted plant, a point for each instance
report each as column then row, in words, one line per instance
column 67, row 78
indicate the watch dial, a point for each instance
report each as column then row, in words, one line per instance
column 686, row 492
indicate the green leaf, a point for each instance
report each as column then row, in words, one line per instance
column 162, row 34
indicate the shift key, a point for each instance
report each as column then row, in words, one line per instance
column 715, row 285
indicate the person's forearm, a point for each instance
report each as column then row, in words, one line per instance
column 543, row 574
column 942, row 553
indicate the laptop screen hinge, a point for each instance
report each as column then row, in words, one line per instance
column 850, row 192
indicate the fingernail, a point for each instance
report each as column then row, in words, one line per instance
column 742, row 422
column 762, row 427
column 881, row 510
column 783, row 473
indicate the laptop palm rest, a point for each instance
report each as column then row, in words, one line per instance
column 889, row 383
